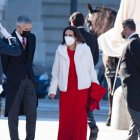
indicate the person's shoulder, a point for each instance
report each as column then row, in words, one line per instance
column 60, row 48
column 93, row 35
column 32, row 35
column 134, row 43
column 85, row 31
column 83, row 46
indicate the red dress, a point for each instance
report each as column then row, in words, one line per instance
column 73, row 108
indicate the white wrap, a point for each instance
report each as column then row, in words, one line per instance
column 111, row 42
column 4, row 32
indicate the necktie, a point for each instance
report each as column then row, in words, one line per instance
column 23, row 42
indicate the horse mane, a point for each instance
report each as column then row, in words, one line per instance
column 102, row 19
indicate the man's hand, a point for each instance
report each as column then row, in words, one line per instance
column 12, row 40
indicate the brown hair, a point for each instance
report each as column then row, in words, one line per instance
column 102, row 20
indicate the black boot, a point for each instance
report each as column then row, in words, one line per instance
column 108, row 122
column 94, row 133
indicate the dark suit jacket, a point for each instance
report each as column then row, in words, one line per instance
column 91, row 40
column 13, row 50
column 130, row 73
column 16, row 68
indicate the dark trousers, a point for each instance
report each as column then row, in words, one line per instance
column 26, row 96
column 134, row 128
column 91, row 120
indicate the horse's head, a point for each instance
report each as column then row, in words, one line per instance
column 100, row 19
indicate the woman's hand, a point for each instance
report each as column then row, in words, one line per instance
column 52, row 96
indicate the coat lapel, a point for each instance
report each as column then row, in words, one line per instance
column 21, row 47
column 80, row 50
column 135, row 36
column 63, row 51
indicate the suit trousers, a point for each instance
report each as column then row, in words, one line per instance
column 91, row 120
column 134, row 129
column 26, row 96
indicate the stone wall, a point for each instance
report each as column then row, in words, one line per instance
column 49, row 17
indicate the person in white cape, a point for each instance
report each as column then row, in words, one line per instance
column 111, row 42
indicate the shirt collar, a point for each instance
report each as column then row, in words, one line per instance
column 20, row 37
column 80, row 27
column 132, row 35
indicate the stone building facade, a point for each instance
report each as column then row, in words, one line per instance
column 49, row 17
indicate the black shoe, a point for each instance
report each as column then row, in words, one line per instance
column 94, row 133
column 108, row 122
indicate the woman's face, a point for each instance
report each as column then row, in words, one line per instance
column 69, row 37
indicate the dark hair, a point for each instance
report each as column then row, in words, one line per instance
column 130, row 24
column 76, row 32
column 77, row 18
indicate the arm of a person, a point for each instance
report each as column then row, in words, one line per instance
column 55, row 75
column 96, row 52
column 92, row 69
column 134, row 48
column 30, row 57
column 5, row 48
column 31, row 52
column 4, row 32
column 4, row 61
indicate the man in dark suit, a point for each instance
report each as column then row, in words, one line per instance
column 77, row 19
column 21, row 95
column 130, row 76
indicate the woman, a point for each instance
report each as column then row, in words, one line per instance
column 73, row 71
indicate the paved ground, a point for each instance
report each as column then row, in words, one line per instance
column 47, row 123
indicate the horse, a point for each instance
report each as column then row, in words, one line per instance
column 99, row 21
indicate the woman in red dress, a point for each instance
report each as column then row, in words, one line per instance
column 73, row 71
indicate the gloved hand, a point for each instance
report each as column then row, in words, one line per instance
column 4, row 32
column 12, row 40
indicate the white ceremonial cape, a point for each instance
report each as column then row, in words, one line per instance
column 111, row 42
